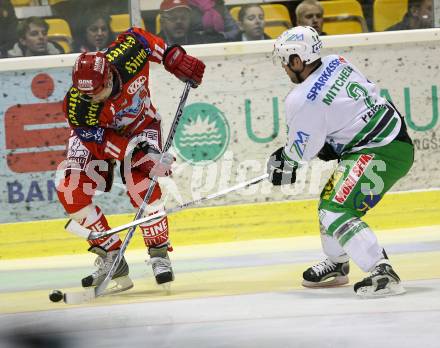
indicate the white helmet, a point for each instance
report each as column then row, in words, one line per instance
column 303, row 41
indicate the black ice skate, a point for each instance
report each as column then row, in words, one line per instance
column 161, row 264
column 104, row 261
column 326, row 274
column 383, row 281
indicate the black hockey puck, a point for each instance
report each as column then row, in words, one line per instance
column 56, row 296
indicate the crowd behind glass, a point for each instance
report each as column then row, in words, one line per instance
column 183, row 22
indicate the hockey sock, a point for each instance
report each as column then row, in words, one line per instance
column 92, row 218
column 333, row 249
column 156, row 233
column 360, row 243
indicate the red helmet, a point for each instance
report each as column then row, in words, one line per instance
column 91, row 72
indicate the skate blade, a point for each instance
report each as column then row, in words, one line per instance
column 166, row 287
column 329, row 283
column 117, row 285
column 391, row 290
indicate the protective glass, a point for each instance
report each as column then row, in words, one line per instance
column 276, row 59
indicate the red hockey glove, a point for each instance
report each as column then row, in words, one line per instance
column 183, row 66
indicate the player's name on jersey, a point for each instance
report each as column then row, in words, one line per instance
column 337, row 85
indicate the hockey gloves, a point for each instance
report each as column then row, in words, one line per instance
column 280, row 171
column 183, row 66
column 148, row 159
column 327, row 153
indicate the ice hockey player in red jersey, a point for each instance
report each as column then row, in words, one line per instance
column 112, row 119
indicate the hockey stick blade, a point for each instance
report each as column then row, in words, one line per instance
column 79, row 297
column 88, row 294
column 96, row 235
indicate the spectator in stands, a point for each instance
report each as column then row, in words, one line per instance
column 212, row 16
column 251, row 23
column 419, row 16
column 76, row 8
column 310, row 13
column 94, row 33
column 74, row 11
column 8, row 27
column 33, row 39
column 175, row 25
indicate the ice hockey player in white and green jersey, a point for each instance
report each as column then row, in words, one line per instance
column 335, row 112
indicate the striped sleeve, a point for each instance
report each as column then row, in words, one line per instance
column 155, row 44
column 384, row 125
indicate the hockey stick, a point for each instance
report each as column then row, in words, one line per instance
column 89, row 294
column 100, row 290
column 96, row 235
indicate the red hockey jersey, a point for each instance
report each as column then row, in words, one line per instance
column 106, row 128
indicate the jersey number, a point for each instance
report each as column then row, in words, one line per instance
column 355, row 91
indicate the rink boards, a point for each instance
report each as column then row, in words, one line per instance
column 242, row 94
column 223, row 224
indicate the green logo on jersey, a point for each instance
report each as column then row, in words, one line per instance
column 202, row 134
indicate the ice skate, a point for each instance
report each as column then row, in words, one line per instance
column 120, row 280
column 161, row 264
column 326, row 274
column 382, row 281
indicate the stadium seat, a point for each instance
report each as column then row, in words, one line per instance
column 59, row 31
column 54, row 2
column 276, row 18
column 387, row 13
column 343, row 17
column 121, row 22
column 19, row 3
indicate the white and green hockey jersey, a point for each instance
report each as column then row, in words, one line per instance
column 337, row 104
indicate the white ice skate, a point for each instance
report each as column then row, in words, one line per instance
column 120, row 280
